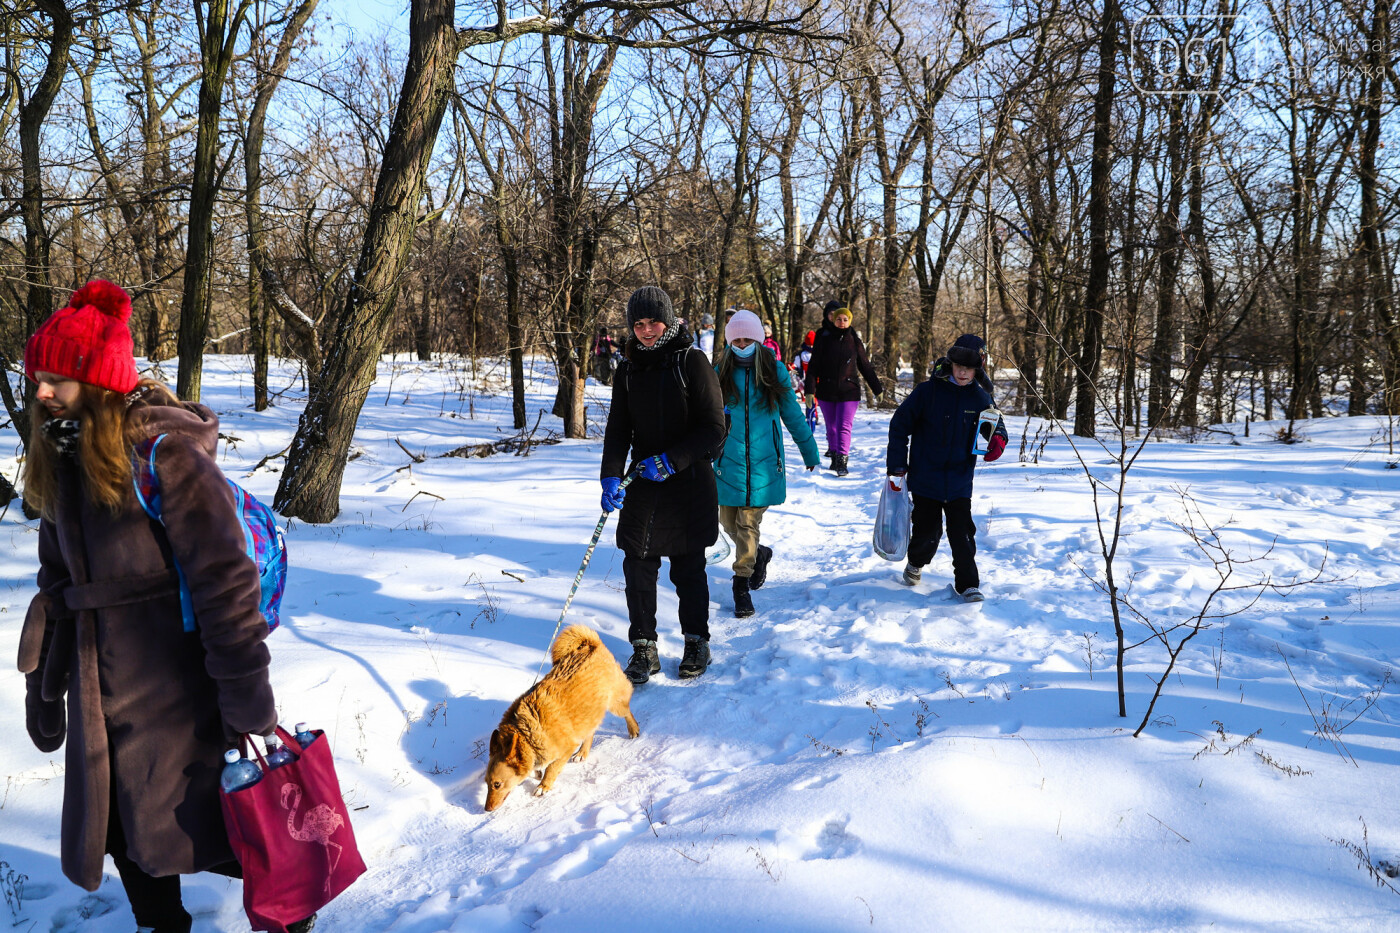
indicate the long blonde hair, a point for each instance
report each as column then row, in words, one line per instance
column 105, row 441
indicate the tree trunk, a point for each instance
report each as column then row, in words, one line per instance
column 252, row 170
column 217, row 36
column 1096, row 294
column 310, row 485
column 1159, row 388
column 39, row 302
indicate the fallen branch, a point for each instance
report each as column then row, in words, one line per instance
column 264, row 461
column 421, row 492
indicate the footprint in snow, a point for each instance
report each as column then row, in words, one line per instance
column 834, row 841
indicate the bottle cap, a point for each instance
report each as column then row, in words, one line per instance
column 232, row 755
column 272, row 741
column 301, row 727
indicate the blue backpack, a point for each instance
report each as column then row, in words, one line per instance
column 262, row 539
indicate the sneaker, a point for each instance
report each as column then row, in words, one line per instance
column 645, row 661
column 760, row 567
column 971, row 595
column 912, row 574
column 696, row 658
column 743, row 603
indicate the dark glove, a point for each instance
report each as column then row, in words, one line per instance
column 994, row 448
column 613, row 493
column 655, row 468
column 46, row 720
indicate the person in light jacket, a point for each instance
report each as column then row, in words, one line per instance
column 150, row 707
column 758, row 394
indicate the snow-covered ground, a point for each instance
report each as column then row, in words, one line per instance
column 862, row 755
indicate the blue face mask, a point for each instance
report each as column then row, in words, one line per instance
column 744, row 353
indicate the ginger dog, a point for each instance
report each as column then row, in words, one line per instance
column 558, row 716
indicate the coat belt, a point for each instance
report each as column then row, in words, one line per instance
column 104, row 594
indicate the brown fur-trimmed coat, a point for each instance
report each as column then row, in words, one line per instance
column 150, row 708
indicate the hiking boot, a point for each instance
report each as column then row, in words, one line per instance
column 697, row 655
column 645, row 661
column 838, row 463
column 912, row 575
column 743, row 603
column 760, row 567
column 971, row 595
column 302, row 926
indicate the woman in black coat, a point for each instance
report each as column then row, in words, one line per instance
column 666, row 412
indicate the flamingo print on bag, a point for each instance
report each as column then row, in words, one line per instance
column 318, row 825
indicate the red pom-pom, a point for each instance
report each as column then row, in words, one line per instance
column 110, row 299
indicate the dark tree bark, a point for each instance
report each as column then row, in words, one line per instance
column 217, row 33
column 310, row 486
column 1096, row 292
column 32, row 113
column 266, row 87
column 1378, row 286
column 1159, row 387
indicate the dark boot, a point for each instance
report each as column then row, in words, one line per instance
column 760, row 567
column 302, row 926
column 838, row 463
column 696, row 657
column 645, row 661
column 743, row 605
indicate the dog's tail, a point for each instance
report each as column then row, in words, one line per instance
column 575, row 638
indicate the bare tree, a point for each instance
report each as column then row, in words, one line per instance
column 218, row 32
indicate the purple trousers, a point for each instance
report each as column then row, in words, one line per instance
column 839, row 416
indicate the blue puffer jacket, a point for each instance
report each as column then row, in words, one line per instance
column 749, row 471
column 942, row 417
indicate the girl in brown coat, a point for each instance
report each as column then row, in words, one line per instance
column 150, row 707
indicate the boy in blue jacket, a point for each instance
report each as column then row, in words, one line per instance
column 941, row 416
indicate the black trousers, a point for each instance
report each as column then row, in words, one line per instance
column 155, row 901
column 692, row 587
column 962, row 537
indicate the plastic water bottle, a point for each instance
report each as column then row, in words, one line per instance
column 304, row 735
column 239, row 772
column 277, row 753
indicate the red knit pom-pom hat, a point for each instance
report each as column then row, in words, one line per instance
column 88, row 340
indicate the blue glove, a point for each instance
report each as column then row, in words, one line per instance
column 655, row 468
column 613, row 493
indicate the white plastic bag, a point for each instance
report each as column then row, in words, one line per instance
column 893, row 520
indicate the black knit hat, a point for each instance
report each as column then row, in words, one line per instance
column 650, row 302
column 831, row 306
column 969, row 350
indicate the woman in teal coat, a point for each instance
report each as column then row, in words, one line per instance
column 757, row 392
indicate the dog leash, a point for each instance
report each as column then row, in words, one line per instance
column 578, row 577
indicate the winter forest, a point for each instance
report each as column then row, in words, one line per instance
column 380, row 241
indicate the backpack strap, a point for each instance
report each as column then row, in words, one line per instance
column 146, row 482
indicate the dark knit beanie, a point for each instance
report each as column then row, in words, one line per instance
column 832, row 306
column 968, row 350
column 650, row 302
column 88, row 341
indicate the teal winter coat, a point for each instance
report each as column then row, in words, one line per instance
column 749, row 471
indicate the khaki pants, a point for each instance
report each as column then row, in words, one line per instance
column 741, row 525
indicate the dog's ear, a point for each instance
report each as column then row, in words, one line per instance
column 517, row 752
column 497, row 745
